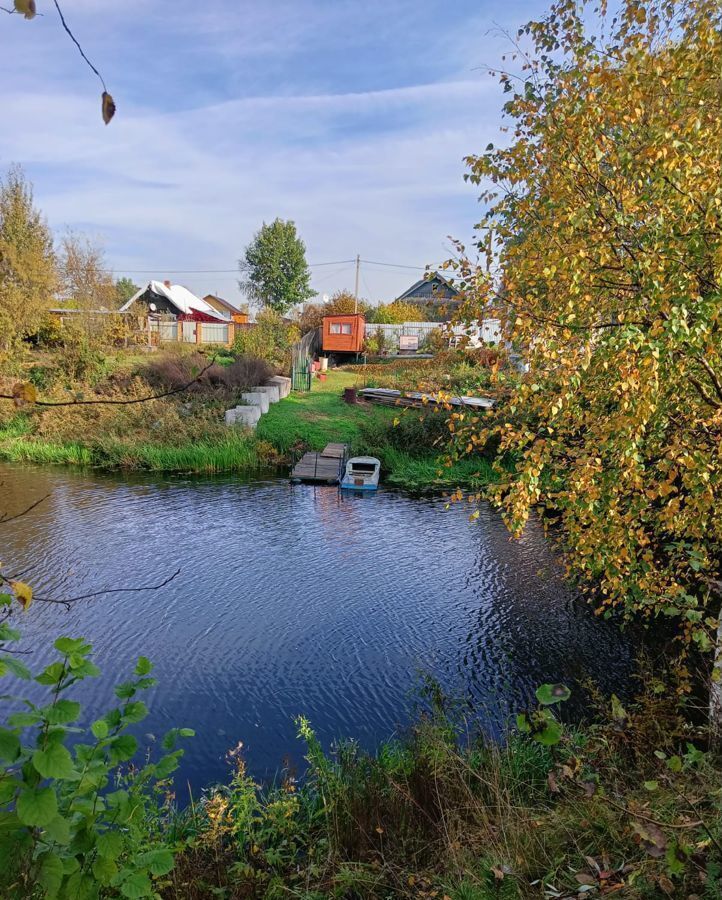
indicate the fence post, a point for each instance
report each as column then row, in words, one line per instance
column 231, row 333
column 199, row 332
column 179, row 330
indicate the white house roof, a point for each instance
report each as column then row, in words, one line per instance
column 180, row 297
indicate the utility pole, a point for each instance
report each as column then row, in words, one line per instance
column 358, row 266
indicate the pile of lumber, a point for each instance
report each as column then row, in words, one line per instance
column 417, row 399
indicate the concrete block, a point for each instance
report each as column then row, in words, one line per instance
column 243, row 415
column 256, row 398
column 273, row 391
column 283, row 383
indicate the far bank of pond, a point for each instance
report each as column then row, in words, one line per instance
column 295, row 600
column 174, row 437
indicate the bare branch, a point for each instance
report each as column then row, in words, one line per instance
column 131, row 590
column 5, row 519
column 178, row 390
column 75, row 41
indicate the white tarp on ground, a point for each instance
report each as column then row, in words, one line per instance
column 180, row 297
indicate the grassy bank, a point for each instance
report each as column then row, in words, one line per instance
column 629, row 806
column 187, row 434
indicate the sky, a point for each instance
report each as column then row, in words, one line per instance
column 350, row 118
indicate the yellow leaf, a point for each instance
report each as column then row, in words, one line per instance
column 23, row 592
column 108, row 107
column 24, row 392
column 26, row 8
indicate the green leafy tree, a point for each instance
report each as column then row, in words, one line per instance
column 398, row 312
column 28, row 274
column 125, row 288
column 270, row 338
column 274, row 270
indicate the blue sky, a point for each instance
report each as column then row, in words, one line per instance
column 351, row 118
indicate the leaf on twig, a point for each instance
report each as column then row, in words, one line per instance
column 23, row 592
column 26, row 8
column 108, row 107
column 24, row 392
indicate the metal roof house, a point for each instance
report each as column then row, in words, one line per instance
column 162, row 297
column 434, row 290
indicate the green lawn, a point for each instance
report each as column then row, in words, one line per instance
column 321, row 417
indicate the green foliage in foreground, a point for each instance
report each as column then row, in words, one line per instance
column 74, row 821
column 438, row 814
column 630, row 806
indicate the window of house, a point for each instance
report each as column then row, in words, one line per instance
column 346, row 329
column 335, row 328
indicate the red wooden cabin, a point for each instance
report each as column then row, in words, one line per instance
column 343, row 334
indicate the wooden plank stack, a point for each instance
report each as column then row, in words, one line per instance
column 419, row 400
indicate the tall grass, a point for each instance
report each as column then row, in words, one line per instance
column 430, row 472
column 436, row 813
column 237, row 452
column 174, row 435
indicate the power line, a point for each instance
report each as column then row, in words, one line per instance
column 372, row 262
column 337, row 262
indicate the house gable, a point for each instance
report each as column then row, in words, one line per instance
column 430, row 290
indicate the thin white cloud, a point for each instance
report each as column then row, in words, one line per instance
column 375, row 171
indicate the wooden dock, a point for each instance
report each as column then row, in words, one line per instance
column 326, row 467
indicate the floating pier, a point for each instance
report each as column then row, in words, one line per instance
column 326, row 467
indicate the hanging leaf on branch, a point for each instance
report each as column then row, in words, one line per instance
column 28, row 9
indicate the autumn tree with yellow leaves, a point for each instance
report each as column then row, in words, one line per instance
column 28, row 273
column 603, row 215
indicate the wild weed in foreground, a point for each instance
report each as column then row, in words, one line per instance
column 77, row 820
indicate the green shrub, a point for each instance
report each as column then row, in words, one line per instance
column 75, row 820
column 271, row 338
column 43, row 377
column 50, row 332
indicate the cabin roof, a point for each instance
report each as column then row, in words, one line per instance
column 180, row 297
column 229, row 306
column 430, row 289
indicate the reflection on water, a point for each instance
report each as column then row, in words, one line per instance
column 294, row 600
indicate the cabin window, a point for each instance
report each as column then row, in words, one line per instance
column 335, row 328
column 346, row 328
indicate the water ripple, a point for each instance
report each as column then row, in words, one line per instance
column 295, row 600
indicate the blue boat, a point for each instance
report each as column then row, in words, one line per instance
column 362, row 474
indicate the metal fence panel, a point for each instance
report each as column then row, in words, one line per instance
column 392, row 333
column 213, row 334
column 167, row 331
column 189, row 332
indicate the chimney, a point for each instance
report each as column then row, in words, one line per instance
column 166, row 283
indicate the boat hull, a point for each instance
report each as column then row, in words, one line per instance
column 348, row 485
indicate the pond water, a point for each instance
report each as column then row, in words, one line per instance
column 294, row 600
